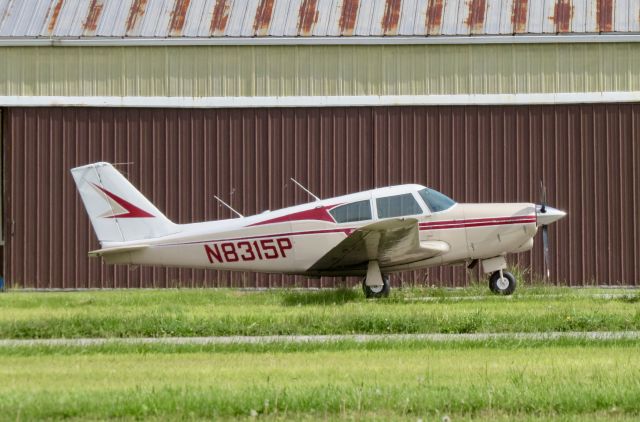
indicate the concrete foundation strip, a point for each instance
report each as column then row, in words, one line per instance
column 604, row 296
column 358, row 338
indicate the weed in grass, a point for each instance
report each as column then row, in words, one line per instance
column 631, row 298
column 321, row 297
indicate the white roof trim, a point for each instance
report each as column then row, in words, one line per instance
column 322, row 101
column 355, row 40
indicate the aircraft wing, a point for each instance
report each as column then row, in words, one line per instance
column 390, row 242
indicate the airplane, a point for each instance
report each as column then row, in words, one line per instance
column 368, row 234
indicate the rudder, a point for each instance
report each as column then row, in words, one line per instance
column 117, row 210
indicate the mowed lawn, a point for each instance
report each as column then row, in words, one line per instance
column 206, row 312
column 382, row 381
column 506, row 379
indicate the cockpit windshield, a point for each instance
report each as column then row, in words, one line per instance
column 435, row 200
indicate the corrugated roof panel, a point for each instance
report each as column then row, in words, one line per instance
column 378, row 20
column 493, row 14
column 248, row 17
column 301, row 18
column 634, row 16
column 621, row 15
column 113, row 20
column 364, row 19
column 215, row 20
column 161, row 25
column 476, row 16
column 21, row 19
column 53, row 12
column 92, row 18
column 263, row 17
column 276, row 18
column 133, row 24
column 237, row 11
column 178, row 16
column 433, row 18
column 390, row 19
column 349, row 13
column 280, row 15
column 325, row 10
column 604, row 15
column 419, row 17
column 6, row 15
column 562, row 14
column 33, row 18
column 516, row 19
column 152, row 18
column 583, row 16
column 5, row 12
column 552, row 8
column 535, row 15
column 449, row 25
column 193, row 16
column 72, row 17
column 408, row 14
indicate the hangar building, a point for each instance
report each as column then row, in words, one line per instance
column 480, row 99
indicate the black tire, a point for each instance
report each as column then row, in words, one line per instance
column 372, row 293
column 502, row 288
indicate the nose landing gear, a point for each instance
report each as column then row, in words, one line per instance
column 502, row 282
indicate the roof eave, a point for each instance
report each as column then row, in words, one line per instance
column 352, row 40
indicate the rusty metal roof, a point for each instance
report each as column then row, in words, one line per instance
column 202, row 19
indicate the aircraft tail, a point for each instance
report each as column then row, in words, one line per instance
column 117, row 210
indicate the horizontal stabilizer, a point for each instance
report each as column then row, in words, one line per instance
column 116, row 250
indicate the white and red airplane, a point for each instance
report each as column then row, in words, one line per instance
column 369, row 234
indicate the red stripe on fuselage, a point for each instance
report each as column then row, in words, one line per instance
column 477, row 222
column 314, row 214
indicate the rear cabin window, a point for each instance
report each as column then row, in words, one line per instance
column 397, row 206
column 356, row 211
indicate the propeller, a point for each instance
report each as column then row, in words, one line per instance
column 545, row 231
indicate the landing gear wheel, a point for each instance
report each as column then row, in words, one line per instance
column 502, row 286
column 376, row 291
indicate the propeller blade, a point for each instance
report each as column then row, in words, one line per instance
column 545, row 245
column 543, row 197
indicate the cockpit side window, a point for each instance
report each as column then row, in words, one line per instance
column 397, row 206
column 435, row 200
column 356, row 211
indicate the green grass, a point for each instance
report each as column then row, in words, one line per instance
column 384, row 381
column 492, row 380
column 155, row 313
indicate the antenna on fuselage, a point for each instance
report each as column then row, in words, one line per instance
column 228, row 206
column 304, row 189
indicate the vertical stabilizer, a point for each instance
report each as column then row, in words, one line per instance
column 118, row 211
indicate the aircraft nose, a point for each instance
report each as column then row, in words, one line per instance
column 549, row 215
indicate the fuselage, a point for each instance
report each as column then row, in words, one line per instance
column 292, row 239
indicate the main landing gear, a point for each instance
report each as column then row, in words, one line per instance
column 375, row 292
column 375, row 284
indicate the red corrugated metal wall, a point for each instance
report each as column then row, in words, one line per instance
column 587, row 155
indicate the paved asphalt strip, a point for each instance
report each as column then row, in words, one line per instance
column 360, row 338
